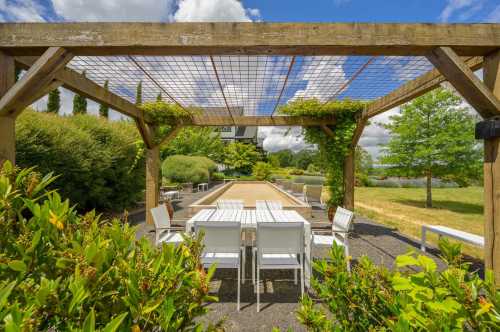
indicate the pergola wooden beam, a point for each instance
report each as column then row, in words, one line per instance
column 465, row 82
column 78, row 83
column 248, row 38
column 414, row 88
column 36, row 79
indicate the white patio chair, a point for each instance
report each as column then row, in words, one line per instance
column 268, row 205
column 163, row 227
column 339, row 233
column 312, row 194
column 280, row 245
column 222, row 246
column 230, row 204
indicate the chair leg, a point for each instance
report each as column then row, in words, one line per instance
column 239, row 286
column 302, row 275
column 348, row 262
column 253, row 268
column 243, row 258
column 258, row 289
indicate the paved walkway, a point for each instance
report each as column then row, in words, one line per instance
column 279, row 294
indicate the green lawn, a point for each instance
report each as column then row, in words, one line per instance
column 403, row 208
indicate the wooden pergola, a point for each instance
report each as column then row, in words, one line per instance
column 46, row 51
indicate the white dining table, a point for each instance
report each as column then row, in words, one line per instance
column 249, row 220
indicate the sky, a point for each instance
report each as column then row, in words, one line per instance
column 275, row 138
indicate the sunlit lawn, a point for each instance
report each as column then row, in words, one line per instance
column 403, row 208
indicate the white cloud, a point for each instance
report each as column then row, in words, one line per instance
column 457, row 6
column 212, row 11
column 114, row 10
column 21, row 11
column 281, row 138
column 374, row 135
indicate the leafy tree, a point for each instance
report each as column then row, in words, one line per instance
column 196, row 141
column 54, row 102
column 273, row 160
column 285, row 157
column 104, row 109
column 303, row 158
column 79, row 103
column 138, row 94
column 159, row 97
column 433, row 137
column 241, row 157
column 364, row 165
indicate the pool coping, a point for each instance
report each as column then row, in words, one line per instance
column 301, row 207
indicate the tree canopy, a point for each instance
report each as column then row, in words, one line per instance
column 104, row 109
column 196, row 141
column 433, row 136
column 241, row 157
column 54, row 101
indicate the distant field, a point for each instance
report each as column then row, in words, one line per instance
column 403, row 208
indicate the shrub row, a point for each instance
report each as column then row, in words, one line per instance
column 99, row 164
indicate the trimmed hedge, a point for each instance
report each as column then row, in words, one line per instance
column 181, row 169
column 99, row 164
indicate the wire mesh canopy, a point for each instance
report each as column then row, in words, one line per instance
column 250, row 85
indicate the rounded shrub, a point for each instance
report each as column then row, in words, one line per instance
column 181, row 169
column 262, row 171
column 99, row 163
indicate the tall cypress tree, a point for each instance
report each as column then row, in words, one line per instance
column 54, row 102
column 138, row 94
column 159, row 98
column 79, row 103
column 104, row 109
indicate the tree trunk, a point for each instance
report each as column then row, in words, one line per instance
column 428, row 202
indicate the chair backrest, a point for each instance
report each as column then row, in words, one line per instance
column 280, row 238
column 160, row 215
column 220, row 236
column 313, row 192
column 268, row 205
column 230, row 204
column 342, row 221
column 260, row 205
column 297, row 187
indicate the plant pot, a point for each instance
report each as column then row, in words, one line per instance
column 331, row 212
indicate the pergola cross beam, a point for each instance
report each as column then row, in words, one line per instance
column 36, row 79
column 465, row 81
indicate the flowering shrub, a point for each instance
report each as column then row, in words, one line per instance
column 62, row 271
column 372, row 298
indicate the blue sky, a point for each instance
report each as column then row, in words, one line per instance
column 428, row 11
column 270, row 10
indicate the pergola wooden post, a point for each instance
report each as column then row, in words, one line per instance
column 153, row 166
column 350, row 165
column 7, row 123
column 484, row 97
column 492, row 176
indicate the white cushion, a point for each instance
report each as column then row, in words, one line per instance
column 325, row 240
column 279, row 259
column 223, row 260
column 171, row 238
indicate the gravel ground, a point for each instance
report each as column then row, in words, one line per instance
column 279, row 295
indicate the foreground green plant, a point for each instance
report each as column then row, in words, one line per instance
column 413, row 297
column 66, row 272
